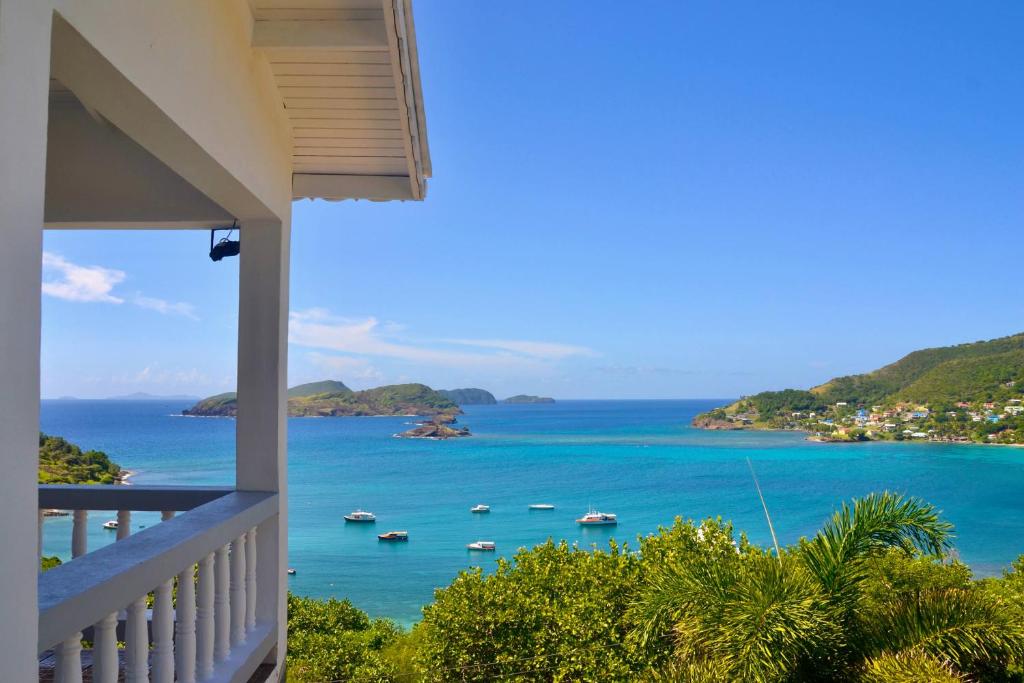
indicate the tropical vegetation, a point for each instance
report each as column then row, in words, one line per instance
column 876, row 595
column 62, row 462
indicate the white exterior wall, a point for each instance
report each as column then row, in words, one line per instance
column 24, row 70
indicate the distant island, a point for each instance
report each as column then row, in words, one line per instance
column 143, row 396
column 523, row 398
column 62, row 462
column 331, row 398
column 966, row 393
column 469, row 397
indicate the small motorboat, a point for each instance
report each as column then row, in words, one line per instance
column 360, row 516
column 393, row 536
column 595, row 518
column 481, row 545
column 291, row 572
column 110, row 524
column 541, row 506
column 480, row 508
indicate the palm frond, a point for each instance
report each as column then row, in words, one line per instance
column 966, row 627
column 870, row 524
column 913, row 667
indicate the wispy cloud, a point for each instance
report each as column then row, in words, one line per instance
column 351, row 369
column 166, row 307
column 535, row 349
column 318, row 329
column 71, row 282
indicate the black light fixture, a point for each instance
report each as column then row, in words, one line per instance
column 226, row 246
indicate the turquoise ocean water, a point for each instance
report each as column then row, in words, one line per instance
column 638, row 459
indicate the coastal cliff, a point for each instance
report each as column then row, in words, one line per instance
column 333, row 399
column 965, row 393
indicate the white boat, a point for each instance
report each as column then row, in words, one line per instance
column 595, row 518
column 291, row 572
column 480, row 508
column 360, row 516
column 541, row 506
column 481, row 545
column 110, row 524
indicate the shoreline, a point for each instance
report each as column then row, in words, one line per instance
column 825, row 440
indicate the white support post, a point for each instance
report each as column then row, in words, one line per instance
column 261, row 426
column 205, row 619
column 250, row 580
column 79, row 531
column 39, row 539
column 69, row 660
column 238, row 591
column 221, row 606
column 163, row 634
column 24, row 84
column 124, row 524
column 105, row 662
column 136, row 647
column 185, row 627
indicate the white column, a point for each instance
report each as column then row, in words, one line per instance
column 79, row 529
column 104, row 650
column 250, row 579
column 185, row 627
column 124, row 524
column 261, row 427
column 39, row 539
column 163, row 634
column 221, row 606
column 136, row 648
column 24, row 88
column 69, row 660
column 205, row 619
column 238, row 591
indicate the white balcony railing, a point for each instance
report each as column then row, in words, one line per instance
column 214, row 629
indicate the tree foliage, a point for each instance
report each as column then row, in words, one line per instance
column 62, row 462
column 874, row 596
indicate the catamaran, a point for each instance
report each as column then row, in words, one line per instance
column 360, row 516
column 595, row 518
column 541, row 506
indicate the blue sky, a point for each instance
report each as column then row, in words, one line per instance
column 656, row 200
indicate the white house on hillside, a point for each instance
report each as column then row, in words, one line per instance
column 180, row 114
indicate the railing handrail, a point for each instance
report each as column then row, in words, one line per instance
column 119, row 497
column 75, row 595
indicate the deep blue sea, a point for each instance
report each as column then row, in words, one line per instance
column 638, row 459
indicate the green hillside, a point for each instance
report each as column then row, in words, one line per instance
column 525, row 398
column 877, row 386
column 969, row 391
column 327, row 386
column 469, row 397
column 61, row 462
column 331, row 398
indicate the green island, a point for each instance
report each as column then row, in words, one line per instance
column 469, row 397
column 968, row 393
column 524, row 398
column 876, row 596
column 331, row 398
